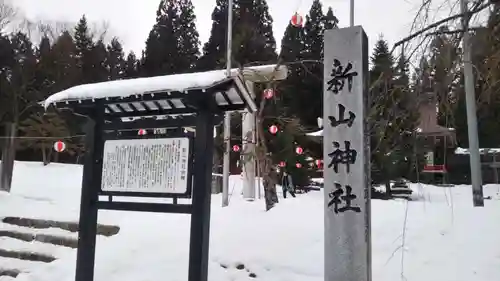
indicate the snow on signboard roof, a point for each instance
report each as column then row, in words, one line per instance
column 460, row 150
column 316, row 134
column 176, row 82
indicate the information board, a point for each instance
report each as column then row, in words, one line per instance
column 146, row 165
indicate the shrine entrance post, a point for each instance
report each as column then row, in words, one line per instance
column 172, row 164
column 346, row 153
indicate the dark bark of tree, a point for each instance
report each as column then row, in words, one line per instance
column 44, row 155
column 266, row 167
column 8, row 157
column 388, row 188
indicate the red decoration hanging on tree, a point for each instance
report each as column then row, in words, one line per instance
column 297, row 20
column 299, row 150
column 236, row 148
column 268, row 94
column 298, row 165
column 319, row 163
column 273, row 129
column 142, row 132
column 59, row 146
column 282, row 164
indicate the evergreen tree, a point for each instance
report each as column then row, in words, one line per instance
column 84, row 50
column 253, row 39
column 44, row 124
column 485, row 44
column 189, row 43
column 97, row 61
column 393, row 118
column 287, row 104
column 172, row 45
column 7, row 62
column 20, row 91
column 44, row 78
column 40, row 123
column 65, row 56
column 314, row 28
column 214, row 50
column 115, row 61
column 309, row 85
column 18, row 94
column 305, row 83
column 131, row 66
column 330, row 21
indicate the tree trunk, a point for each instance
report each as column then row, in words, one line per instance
column 388, row 190
column 8, row 157
column 46, row 160
column 269, row 183
column 56, row 157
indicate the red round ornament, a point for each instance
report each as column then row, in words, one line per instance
column 298, row 165
column 299, row 150
column 318, row 162
column 59, row 146
column 282, row 164
column 236, row 148
column 268, row 94
column 142, row 132
column 297, row 20
column 273, row 129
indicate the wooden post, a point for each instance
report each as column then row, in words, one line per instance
column 201, row 197
column 91, row 183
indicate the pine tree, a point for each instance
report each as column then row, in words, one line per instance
column 486, row 60
column 18, row 94
column 310, row 88
column 131, row 66
column 115, row 61
column 7, row 61
column 189, row 43
column 40, row 123
column 214, row 50
column 314, row 28
column 66, row 72
column 84, row 49
column 97, row 61
column 44, row 124
column 393, row 118
column 253, row 39
column 21, row 91
column 330, row 21
column 172, row 45
column 44, row 76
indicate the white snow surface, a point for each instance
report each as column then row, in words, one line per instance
column 446, row 239
column 138, row 86
column 460, row 150
column 316, row 134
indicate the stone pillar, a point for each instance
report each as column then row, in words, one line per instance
column 346, row 152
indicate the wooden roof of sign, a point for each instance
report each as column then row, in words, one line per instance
column 167, row 95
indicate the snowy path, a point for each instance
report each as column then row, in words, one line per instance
column 445, row 239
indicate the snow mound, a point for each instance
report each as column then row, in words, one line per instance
column 444, row 237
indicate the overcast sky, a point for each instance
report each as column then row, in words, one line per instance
column 131, row 20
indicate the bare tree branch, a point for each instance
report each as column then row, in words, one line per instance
column 7, row 14
column 476, row 9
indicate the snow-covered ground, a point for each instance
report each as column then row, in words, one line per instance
column 445, row 238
